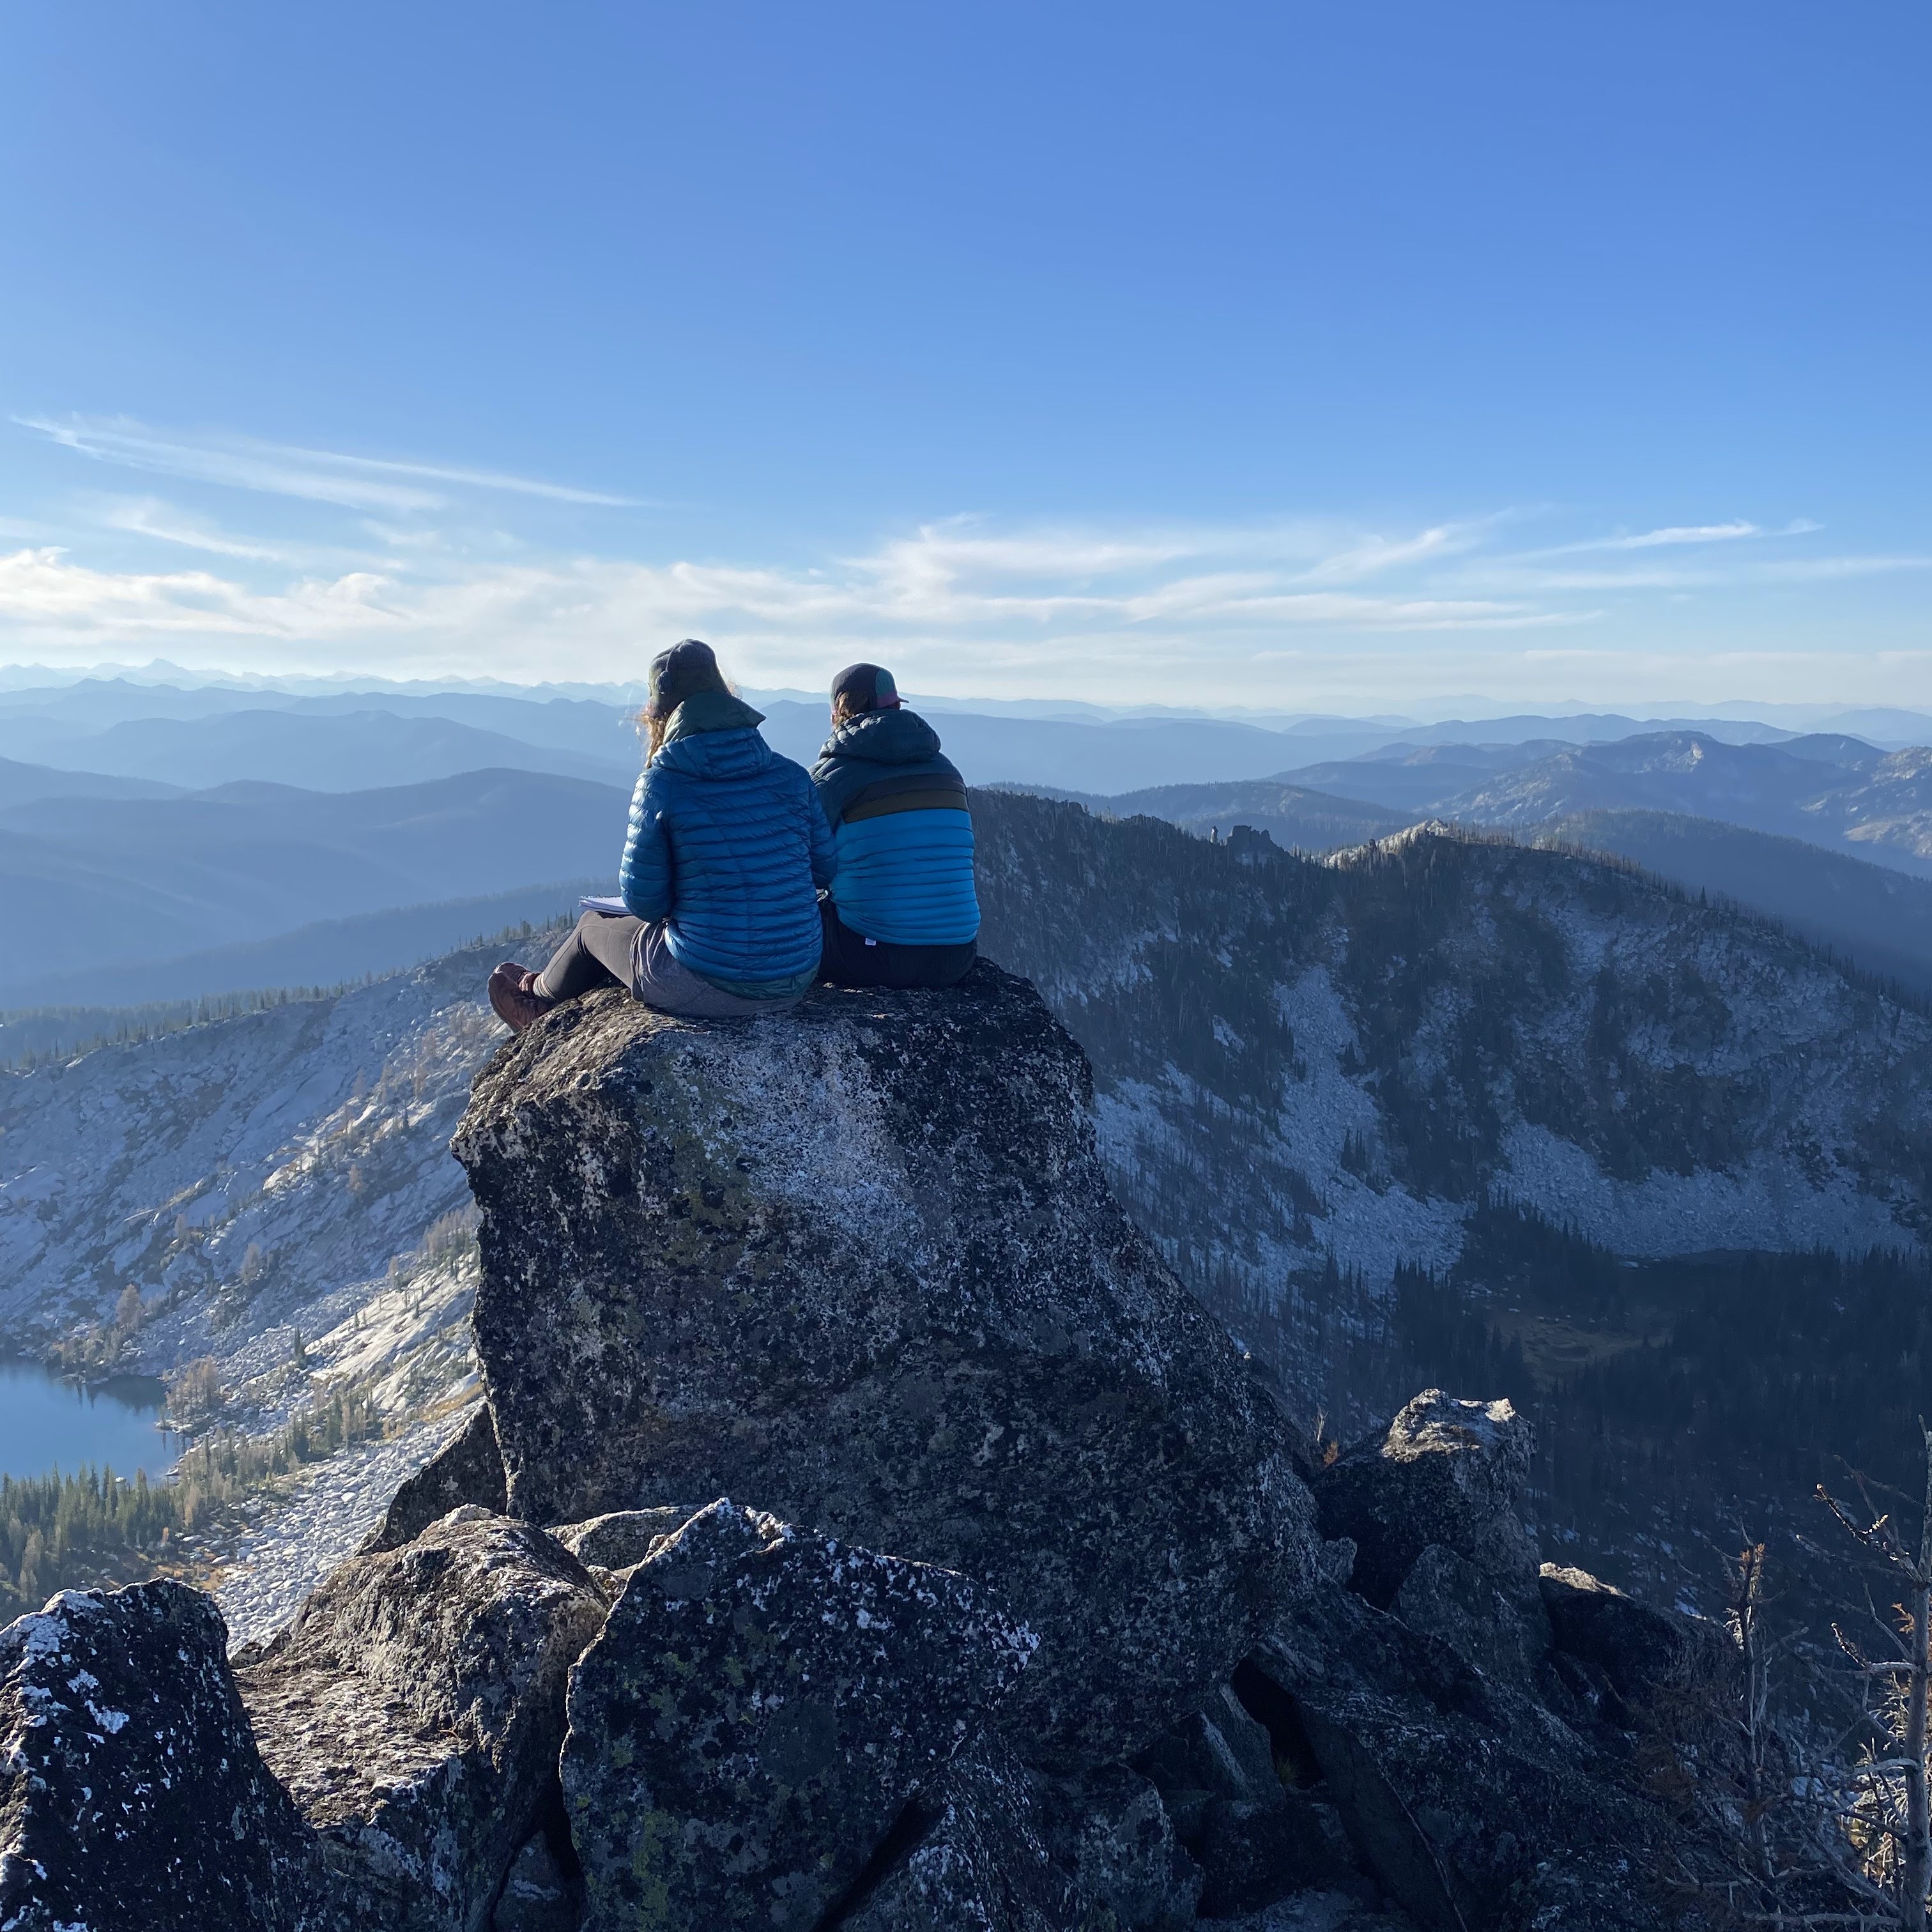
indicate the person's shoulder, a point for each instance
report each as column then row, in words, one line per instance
column 790, row 774
column 658, row 784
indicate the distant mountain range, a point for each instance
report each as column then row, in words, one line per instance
column 349, row 751
column 231, row 832
column 1828, row 788
column 200, row 736
column 92, row 884
column 1789, row 830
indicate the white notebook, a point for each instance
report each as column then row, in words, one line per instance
column 610, row 908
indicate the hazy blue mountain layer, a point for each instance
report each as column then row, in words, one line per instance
column 354, row 752
column 1294, row 818
column 20, row 785
column 387, row 734
column 330, row 952
column 93, row 884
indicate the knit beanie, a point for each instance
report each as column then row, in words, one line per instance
column 864, row 687
column 687, row 668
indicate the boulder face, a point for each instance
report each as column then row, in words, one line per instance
column 414, row 1710
column 1448, row 1473
column 1476, row 1807
column 466, row 1470
column 761, row 1708
column 130, row 1793
column 860, row 1264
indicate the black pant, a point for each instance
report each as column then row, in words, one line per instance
column 601, row 952
column 850, row 959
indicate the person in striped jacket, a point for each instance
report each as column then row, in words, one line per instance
column 902, row 911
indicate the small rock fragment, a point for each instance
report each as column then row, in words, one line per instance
column 469, row 1469
column 1110, row 1833
column 978, row 1863
column 624, row 1537
column 536, row 1896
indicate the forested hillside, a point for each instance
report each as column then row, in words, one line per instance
column 1455, row 1110
column 1442, row 1109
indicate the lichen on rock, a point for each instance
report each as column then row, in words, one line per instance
column 414, row 1710
column 761, row 1705
column 861, row 1264
column 130, row 1793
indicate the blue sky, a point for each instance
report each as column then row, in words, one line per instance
column 1281, row 355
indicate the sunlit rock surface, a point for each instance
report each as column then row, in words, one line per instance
column 859, row 1264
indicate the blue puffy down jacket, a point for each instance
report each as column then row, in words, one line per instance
column 728, row 846
column 903, row 835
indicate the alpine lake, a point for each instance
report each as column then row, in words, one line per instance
column 48, row 1424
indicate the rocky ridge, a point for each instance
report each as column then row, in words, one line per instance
column 670, row 1714
column 1307, row 1076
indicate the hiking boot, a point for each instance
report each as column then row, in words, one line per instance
column 513, row 994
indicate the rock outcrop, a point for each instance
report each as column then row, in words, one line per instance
column 414, row 1710
column 760, row 1708
column 859, row 1261
column 1434, row 1508
column 859, row 1264
column 130, row 1792
column 1633, row 1657
column 466, row 1470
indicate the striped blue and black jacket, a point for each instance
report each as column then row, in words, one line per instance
column 901, row 830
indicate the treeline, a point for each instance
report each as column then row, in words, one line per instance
column 1694, row 1377
column 63, row 1531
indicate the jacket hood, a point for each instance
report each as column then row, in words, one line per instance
column 711, row 711
column 714, row 736
column 900, row 737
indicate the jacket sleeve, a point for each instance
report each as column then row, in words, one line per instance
column 824, row 851
column 646, row 877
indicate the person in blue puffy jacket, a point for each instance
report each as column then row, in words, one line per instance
column 728, row 847
column 902, row 911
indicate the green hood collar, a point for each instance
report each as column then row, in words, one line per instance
column 711, row 711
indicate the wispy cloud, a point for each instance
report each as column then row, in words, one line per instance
column 1676, row 536
column 1682, row 533
column 151, row 516
column 1166, row 610
column 315, row 475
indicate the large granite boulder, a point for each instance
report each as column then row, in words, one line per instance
column 130, row 1792
column 759, row 1710
column 859, row 1261
column 415, row 1709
